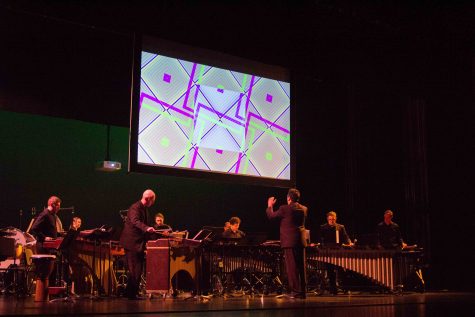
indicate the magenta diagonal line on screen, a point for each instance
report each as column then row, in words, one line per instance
column 194, row 157
column 190, row 83
column 220, row 115
column 239, row 107
column 270, row 123
column 197, row 90
column 151, row 91
column 197, row 114
column 238, row 163
column 164, row 104
column 204, row 96
column 172, row 107
column 249, row 93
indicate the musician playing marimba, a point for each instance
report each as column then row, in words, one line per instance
column 389, row 235
column 133, row 240
column 160, row 224
column 233, row 231
column 333, row 234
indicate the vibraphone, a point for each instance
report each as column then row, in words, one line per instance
column 387, row 268
column 249, row 269
column 229, row 258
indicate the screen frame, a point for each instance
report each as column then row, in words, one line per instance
column 215, row 59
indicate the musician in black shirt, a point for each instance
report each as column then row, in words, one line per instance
column 44, row 228
column 389, row 234
column 333, row 233
column 233, row 231
column 160, row 223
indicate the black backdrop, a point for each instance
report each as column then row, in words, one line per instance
column 384, row 98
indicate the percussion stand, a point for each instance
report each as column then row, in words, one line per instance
column 96, row 290
column 61, row 264
column 65, row 245
column 198, row 264
column 217, row 276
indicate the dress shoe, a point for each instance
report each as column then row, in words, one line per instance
column 298, row 296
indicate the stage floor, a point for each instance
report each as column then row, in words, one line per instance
column 354, row 305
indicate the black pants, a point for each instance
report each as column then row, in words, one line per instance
column 296, row 271
column 135, row 262
column 332, row 277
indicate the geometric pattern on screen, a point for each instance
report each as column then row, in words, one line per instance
column 206, row 118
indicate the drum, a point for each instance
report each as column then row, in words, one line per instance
column 24, row 242
column 44, row 265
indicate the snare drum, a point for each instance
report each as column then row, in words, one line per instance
column 44, row 265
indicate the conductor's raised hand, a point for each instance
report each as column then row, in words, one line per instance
column 271, row 202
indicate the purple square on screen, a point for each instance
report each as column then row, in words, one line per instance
column 269, row 98
column 220, row 90
column 167, row 77
column 219, row 151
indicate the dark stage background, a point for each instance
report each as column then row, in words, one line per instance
column 385, row 108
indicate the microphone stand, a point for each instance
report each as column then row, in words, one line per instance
column 21, row 218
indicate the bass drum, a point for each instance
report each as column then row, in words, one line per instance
column 24, row 242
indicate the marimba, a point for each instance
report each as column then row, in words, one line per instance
column 94, row 258
column 387, row 268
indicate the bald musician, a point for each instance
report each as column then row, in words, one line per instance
column 133, row 240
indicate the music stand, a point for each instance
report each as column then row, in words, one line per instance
column 63, row 249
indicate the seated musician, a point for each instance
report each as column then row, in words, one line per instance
column 389, row 235
column 233, row 231
column 47, row 225
column 333, row 234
